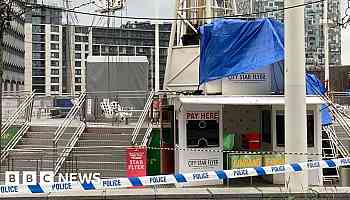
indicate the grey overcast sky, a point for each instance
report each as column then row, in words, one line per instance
column 146, row 8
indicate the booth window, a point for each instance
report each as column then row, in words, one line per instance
column 280, row 130
column 202, row 133
column 266, row 126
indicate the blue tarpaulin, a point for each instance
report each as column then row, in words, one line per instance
column 315, row 87
column 230, row 47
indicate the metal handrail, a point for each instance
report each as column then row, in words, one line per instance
column 12, row 143
column 73, row 140
column 338, row 144
column 24, row 105
column 69, row 118
column 147, row 134
column 142, row 117
column 61, row 129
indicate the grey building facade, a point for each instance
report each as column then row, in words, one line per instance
column 133, row 39
column 13, row 55
column 314, row 38
column 56, row 53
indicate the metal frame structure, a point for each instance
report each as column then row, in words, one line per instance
column 191, row 14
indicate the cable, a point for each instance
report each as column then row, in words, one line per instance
column 175, row 19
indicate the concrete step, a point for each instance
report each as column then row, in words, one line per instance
column 101, row 150
column 105, row 173
column 103, row 157
column 39, row 141
column 49, row 129
column 105, row 136
column 46, row 135
column 110, row 130
column 93, row 143
column 18, row 155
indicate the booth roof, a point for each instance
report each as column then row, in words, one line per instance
column 243, row 100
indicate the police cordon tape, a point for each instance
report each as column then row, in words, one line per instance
column 116, row 183
column 175, row 149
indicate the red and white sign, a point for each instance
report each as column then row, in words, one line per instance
column 202, row 115
column 136, row 162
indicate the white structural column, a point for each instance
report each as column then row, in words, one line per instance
column 295, row 108
column 156, row 70
column 326, row 51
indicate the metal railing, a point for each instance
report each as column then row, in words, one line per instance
column 147, row 135
column 28, row 102
column 25, row 111
column 339, row 146
column 66, row 151
column 142, row 118
column 72, row 137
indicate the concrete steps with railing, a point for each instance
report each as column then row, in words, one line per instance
column 101, row 150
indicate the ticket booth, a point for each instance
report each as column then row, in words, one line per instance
column 199, row 127
column 257, row 123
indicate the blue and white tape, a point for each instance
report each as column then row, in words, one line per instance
column 104, row 184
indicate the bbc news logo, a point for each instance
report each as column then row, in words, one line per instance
column 47, row 177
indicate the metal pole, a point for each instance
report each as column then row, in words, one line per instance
column 326, row 48
column 295, row 108
column 156, row 54
column 2, row 27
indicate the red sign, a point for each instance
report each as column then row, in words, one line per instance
column 136, row 161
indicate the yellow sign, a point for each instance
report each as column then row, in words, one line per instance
column 270, row 160
column 244, row 161
column 252, row 161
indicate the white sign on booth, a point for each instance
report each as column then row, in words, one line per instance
column 207, row 117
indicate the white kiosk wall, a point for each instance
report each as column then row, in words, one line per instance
column 315, row 176
column 196, row 161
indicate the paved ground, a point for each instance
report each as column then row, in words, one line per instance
column 200, row 193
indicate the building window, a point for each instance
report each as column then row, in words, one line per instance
column 85, row 38
column 54, row 46
column 78, row 72
column 202, row 133
column 37, row 55
column 78, row 47
column 86, row 47
column 38, row 72
column 78, row 88
column 55, row 88
column 55, row 63
column 77, row 64
column 55, row 80
column 55, row 55
column 77, row 80
column 78, row 56
column 55, row 38
column 38, row 47
column 86, row 55
column 38, row 20
column 96, row 50
column 38, row 38
column 38, row 64
column 55, row 29
column 38, row 29
column 39, row 88
column 55, row 72
column 78, row 38
column 38, row 80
